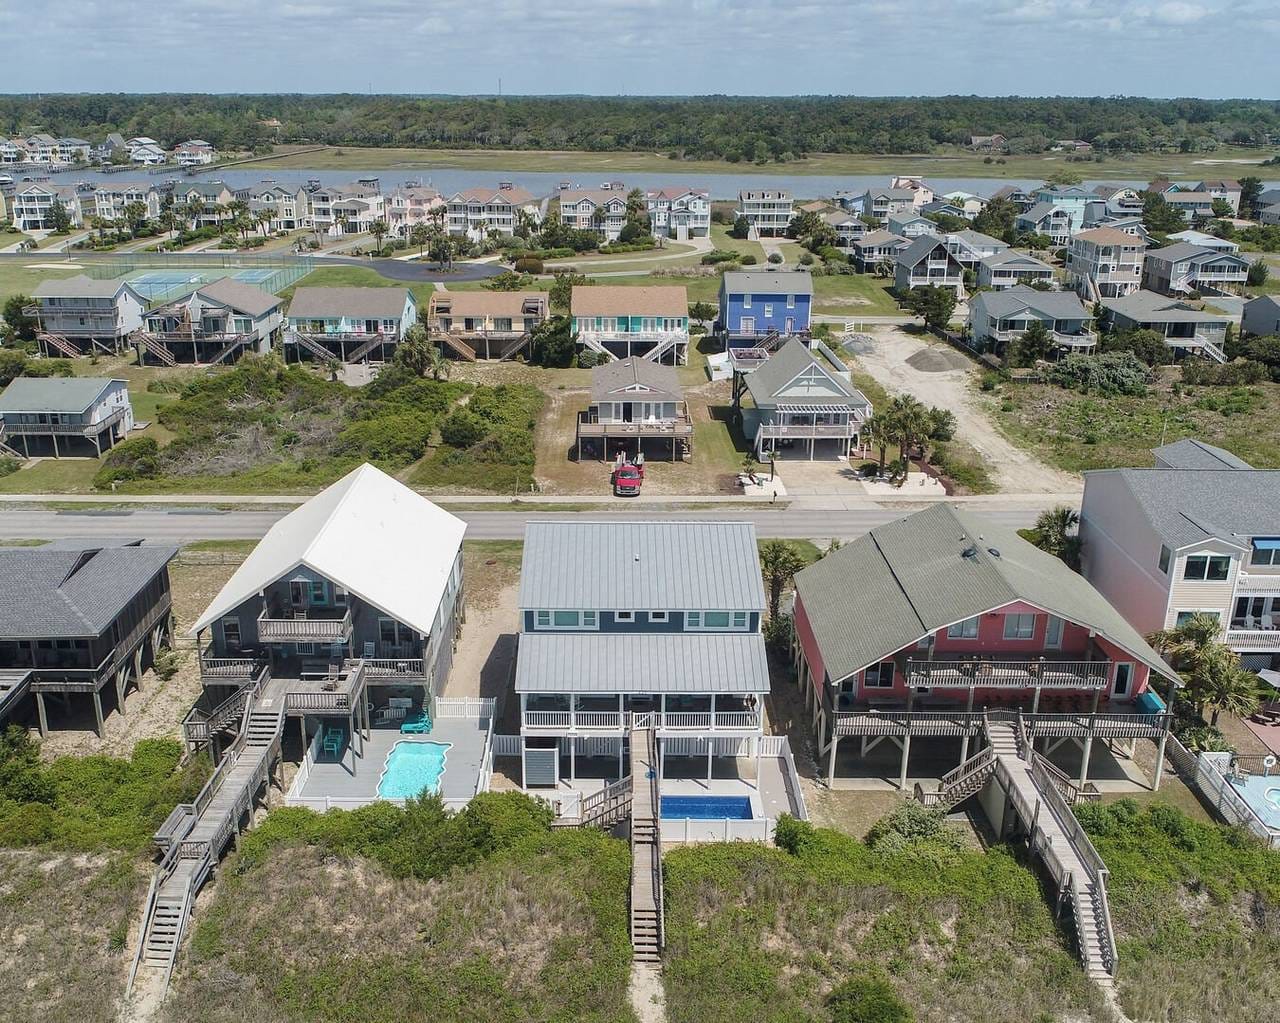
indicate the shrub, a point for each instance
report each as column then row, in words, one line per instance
column 461, row 428
column 793, row 834
column 528, row 265
column 719, row 256
column 748, row 260
column 8, row 465
column 806, row 259
column 49, row 368
column 1110, row 373
column 133, row 459
column 910, row 825
column 166, row 665
column 867, row 1000
column 1240, row 371
column 775, row 257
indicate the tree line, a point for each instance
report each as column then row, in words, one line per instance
column 749, row 129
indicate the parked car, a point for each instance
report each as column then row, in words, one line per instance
column 626, row 481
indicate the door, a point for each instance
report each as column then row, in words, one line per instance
column 628, row 411
column 747, row 325
column 790, row 326
column 297, row 593
column 1124, row 679
column 371, row 326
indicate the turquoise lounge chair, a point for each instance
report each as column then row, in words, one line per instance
column 416, row 724
column 332, row 742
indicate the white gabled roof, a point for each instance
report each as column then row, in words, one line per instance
column 369, row 533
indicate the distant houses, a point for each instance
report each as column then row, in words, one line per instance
column 474, row 212
column 64, row 415
column 768, row 211
column 678, row 212
column 617, row 322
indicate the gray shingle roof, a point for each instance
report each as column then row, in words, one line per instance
column 374, row 303
column 1146, row 306
column 609, row 379
column 60, row 592
column 762, row 282
column 1190, row 453
column 53, row 394
column 785, row 365
column 722, row 662
column 660, row 566
column 1187, row 506
column 888, row 589
column 1038, row 212
column 1060, row 305
column 979, row 240
column 1007, row 256
column 80, row 286
column 241, row 297
column 921, row 248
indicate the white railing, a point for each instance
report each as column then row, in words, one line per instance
column 612, row 720
column 486, row 761
column 506, row 745
column 303, row 629
column 807, row 430
column 394, row 667
column 469, row 708
column 684, row 831
column 634, row 335
column 1028, row 674
column 1229, row 804
column 1254, row 582
column 789, row 773
column 1254, row 639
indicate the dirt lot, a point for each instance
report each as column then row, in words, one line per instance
column 939, row 375
column 485, row 657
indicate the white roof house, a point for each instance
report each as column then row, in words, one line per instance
column 369, row 533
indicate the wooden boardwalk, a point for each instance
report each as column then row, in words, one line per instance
column 646, row 844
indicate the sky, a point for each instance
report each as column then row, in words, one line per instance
column 1206, row 48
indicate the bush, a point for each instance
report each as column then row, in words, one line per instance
column 461, row 428
column 748, row 260
column 806, row 259
column 793, row 834
column 719, row 256
column 911, row 825
column 528, row 265
column 1230, row 374
column 867, row 1000
column 775, row 257
column 8, row 465
column 1110, row 373
column 49, row 368
column 133, row 459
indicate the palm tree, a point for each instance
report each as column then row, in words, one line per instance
column 779, row 562
column 419, row 235
column 379, row 231
column 438, row 364
column 1193, row 648
column 525, row 224
column 1228, row 685
column 1054, row 532
column 877, row 433
column 911, row 423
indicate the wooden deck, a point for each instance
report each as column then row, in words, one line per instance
column 646, row 845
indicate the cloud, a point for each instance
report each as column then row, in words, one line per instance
column 749, row 47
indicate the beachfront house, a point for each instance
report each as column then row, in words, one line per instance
column 1183, row 327
column 1008, row 269
column 928, row 261
column 1182, row 268
column 956, row 629
column 635, row 400
column 80, row 618
column 616, row 321
column 348, row 324
column 1105, row 262
column 757, row 303
column 485, row 324
column 996, row 318
column 64, row 415
column 213, row 324
column 76, row 315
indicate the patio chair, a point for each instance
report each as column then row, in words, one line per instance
column 333, row 738
column 418, row 723
column 368, row 651
column 1269, row 621
column 388, row 715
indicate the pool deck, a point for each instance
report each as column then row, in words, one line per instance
column 351, row 777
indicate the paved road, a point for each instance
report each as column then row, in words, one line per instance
column 187, row 524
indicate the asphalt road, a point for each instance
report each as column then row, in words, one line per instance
column 188, row 524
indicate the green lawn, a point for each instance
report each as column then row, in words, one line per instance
column 17, row 279
column 851, row 294
column 362, row 277
column 721, row 240
column 52, row 476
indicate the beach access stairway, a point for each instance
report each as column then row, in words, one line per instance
column 1040, row 796
column 195, row 834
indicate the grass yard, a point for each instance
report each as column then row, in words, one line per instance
column 361, row 277
column 948, row 162
column 52, row 476
column 17, row 279
column 961, row 935
column 854, row 294
column 1076, row 432
column 720, row 239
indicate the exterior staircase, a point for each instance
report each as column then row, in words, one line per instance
column 311, row 345
column 59, row 344
column 667, row 344
column 239, row 341
column 647, row 936
column 520, row 346
column 1212, row 351
column 374, row 342
column 459, row 347
column 591, row 344
column 958, row 785
column 5, row 449
column 602, row 809
column 151, row 346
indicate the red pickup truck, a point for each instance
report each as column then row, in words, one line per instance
column 626, row 481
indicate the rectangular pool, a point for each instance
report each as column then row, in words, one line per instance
column 707, row 808
column 1262, row 793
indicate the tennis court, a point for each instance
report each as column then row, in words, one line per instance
column 165, row 283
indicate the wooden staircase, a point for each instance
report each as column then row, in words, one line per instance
column 591, row 344
column 521, row 345
column 5, row 449
column 602, row 809
column 367, row 347
column 311, row 345
column 459, row 347
column 59, row 344
column 667, row 344
column 958, row 785
column 154, row 347
column 239, row 341
column 647, row 936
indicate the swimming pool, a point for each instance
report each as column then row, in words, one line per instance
column 1262, row 793
column 707, row 808
column 413, row 768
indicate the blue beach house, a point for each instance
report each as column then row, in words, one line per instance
column 754, row 303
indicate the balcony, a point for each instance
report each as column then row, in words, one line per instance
column 1256, row 582
column 14, row 429
column 1115, row 721
column 613, row 721
column 306, row 625
column 1035, row 673
column 807, row 431
column 227, row 670
column 590, row 425
column 1064, row 339
column 1248, row 640
column 634, row 335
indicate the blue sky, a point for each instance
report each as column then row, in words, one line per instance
column 1206, row 48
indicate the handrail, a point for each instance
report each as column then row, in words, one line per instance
column 972, row 766
column 1024, row 743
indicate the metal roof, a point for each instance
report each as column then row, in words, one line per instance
column 1060, row 305
column 787, row 363
column 81, row 286
column 53, row 394
column 626, row 566
column 764, row 282
column 324, row 303
column 611, row 380
column 67, row 592
column 908, row 578
column 1147, row 307
column 368, row 532
column 687, row 663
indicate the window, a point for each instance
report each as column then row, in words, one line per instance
column 231, row 633
column 297, row 593
column 739, row 619
column 1186, row 616
column 658, row 616
column 1165, row 555
column 317, row 592
column 565, row 619
column 746, row 301
column 967, row 629
column 624, row 616
column 879, row 676
column 1053, row 633
column 1207, row 567
column 339, row 596
column 544, row 619
column 1124, row 678
column 768, row 310
column 1019, row 626
column 306, row 649
column 1265, row 552
column 715, row 619
column 388, row 631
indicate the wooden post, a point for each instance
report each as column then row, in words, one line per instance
column 831, row 761
column 302, row 734
column 120, row 684
column 906, row 741
column 97, row 710
column 54, row 437
column 1160, row 756
column 964, row 743
column 44, row 718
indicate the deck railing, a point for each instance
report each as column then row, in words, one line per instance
column 224, row 668
column 592, row 426
column 304, row 630
column 394, row 667
column 612, row 720
column 78, row 429
column 1024, row 674
column 900, row 722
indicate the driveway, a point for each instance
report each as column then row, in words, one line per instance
column 937, row 374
